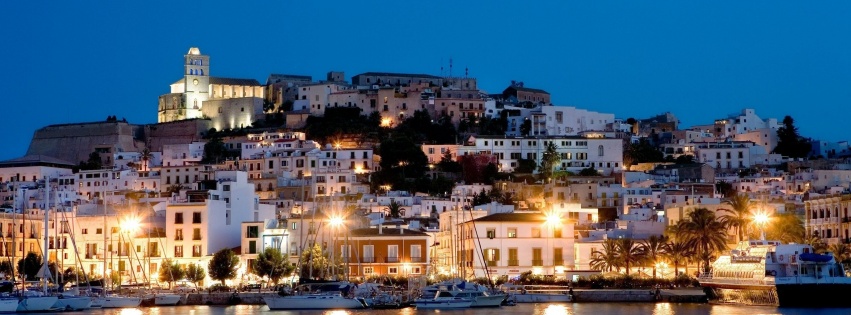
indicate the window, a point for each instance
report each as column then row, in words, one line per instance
column 196, row 251
column 512, row 232
column 178, row 251
column 178, row 218
column 491, row 233
column 536, row 257
column 492, row 257
column 600, row 150
column 368, row 253
column 416, row 270
column 368, row 270
column 536, row 232
column 416, row 253
column 557, row 232
column 512, row 257
column 196, row 217
column 252, row 247
column 98, row 231
column 252, row 231
column 196, row 234
column 392, row 253
column 85, row 231
column 393, row 270
column 178, row 235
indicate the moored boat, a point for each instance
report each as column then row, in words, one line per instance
column 114, row 301
column 539, row 293
column 73, row 303
column 771, row 273
column 317, row 296
column 443, row 300
column 8, row 305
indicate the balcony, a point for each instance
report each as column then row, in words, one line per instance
column 391, row 259
column 492, row 263
column 513, row 262
column 367, row 260
column 417, row 259
column 558, row 262
column 537, row 262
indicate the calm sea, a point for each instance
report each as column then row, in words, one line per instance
column 535, row 309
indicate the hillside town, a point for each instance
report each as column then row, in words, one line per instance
column 405, row 175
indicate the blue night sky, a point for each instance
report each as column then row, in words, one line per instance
column 65, row 62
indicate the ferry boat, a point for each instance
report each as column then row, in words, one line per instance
column 770, row 273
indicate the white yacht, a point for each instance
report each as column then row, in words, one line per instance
column 769, row 273
column 443, row 300
column 479, row 294
column 36, row 303
column 8, row 305
column 114, row 301
column 73, row 303
column 317, row 296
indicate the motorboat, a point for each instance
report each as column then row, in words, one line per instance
column 480, row 295
column 760, row 272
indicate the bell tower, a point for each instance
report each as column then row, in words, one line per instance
column 196, row 75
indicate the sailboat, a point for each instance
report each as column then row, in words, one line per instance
column 35, row 301
column 68, row 301
column 107, row 300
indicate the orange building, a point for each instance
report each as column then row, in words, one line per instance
column 388, row 251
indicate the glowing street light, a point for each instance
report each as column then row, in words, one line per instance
column 336, row 221
column 553, row 219
column 130, row 224
column 761, row 219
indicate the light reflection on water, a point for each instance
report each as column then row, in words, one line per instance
column 520, row 309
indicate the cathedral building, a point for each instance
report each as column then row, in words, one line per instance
column 227, row 102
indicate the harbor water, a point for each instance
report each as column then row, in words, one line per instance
column 520, row 309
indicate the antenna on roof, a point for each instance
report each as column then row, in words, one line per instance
column 450, row 67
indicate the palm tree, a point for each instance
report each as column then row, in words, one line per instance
column 677, row 252
column 395, row 210
column 606, row 259
column 653, row 249
column 740, row 215
column 704, row 233
column 818, row 244
column 841, row 252
column 628, row 252
column 787, row 228
column 146, row 156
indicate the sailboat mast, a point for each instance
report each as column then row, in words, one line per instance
column 44, row 260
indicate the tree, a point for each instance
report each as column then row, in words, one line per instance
column 223, row 265
column 195, row 274
column 589, row 171
column 678, row 252
column 549, row 160
column 789, row 143
column 6, row 267
column 725, row 189
column 395, row 210
column 272, row 263
column 215, row 151
column 174, row 189
column 815, row 240
column 629, row 253
column 525, row 166
column 93, row 163
column 146, row 156
column 740, row 215
column 315, row 263
column 170, row 271
column 701, row 231
column 29, row 266
column 841, row 252
column 607, row 259
column 653, row 250
column 642, row 152
column 447, row 164
column 525, row 127
column 787, row 228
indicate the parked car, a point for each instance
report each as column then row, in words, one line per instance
column 250, row 287
column 183, row 288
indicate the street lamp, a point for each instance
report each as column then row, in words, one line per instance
column 553, row 220
column 761, row 219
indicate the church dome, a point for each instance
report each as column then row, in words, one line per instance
column 194, row 51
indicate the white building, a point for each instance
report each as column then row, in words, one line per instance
column 570, row 121
column 577, row 153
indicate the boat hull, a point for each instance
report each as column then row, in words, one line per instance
column 443, row 304
column 118, row 302
column 166, row 299
column 488, row 301
column 8, row 305
column 36, row 303
column 311, row 302
column 73, row 303
column 541, row 298
column 814, row 295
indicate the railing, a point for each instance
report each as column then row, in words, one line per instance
column 513, row 262
column 367, row 259
column 492, row 263
column 391, row 259
column 537, row 262
column 558, row 262
column 417, row 259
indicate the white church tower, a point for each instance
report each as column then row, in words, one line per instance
column 196, row 81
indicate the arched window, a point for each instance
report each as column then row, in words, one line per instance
column 200, row 71
column 600, row 151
